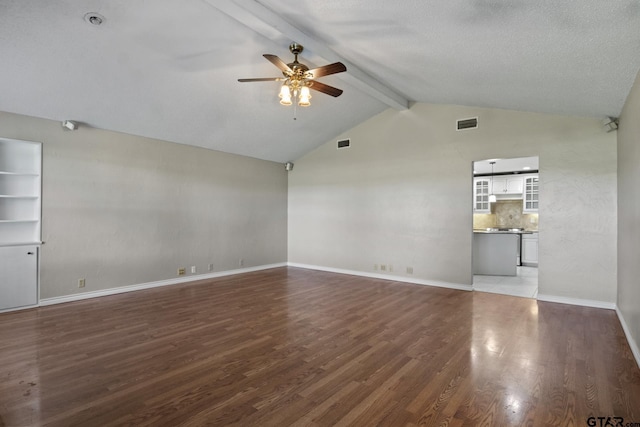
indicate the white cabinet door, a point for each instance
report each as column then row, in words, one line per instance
column 515, row 185
column 529, row 254
column 530, row 194
column 498, row 185
column 18, row 276
column 481, row 195
column 507, row 185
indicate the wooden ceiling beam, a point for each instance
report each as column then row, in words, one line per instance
column 270, row 25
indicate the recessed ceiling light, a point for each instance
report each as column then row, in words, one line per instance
column 94, row 18
column 526, row 168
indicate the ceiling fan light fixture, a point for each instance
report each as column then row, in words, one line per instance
column 304, row 97
column 298, row 78
column 285, row 95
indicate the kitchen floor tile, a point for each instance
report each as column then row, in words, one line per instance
column 524, row 284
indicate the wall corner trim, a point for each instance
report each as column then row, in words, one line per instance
column 149, row 285
column 632, row 343
column 390, row 277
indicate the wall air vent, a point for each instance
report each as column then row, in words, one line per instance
column 464, row 124
column 344, row 143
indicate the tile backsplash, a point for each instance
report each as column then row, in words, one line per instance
column 506, row 214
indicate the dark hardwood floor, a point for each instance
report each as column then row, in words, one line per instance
column 299, row 347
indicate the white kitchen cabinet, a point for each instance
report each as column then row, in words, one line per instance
column 529, row 255
column 20, row 217
column 530, row 194
column 507, row 184
column 481, row 191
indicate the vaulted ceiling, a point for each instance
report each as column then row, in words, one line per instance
column 168, row 69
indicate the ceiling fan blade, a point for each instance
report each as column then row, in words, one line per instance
column 336, row 67
column 278, row 63
column 263, row 79
column 329, row 90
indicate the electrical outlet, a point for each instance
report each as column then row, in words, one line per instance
column 375, row 267
column 81, row 283
column 241, row 262
column 182, row 271
column 210, row 267
column 390, row 267
column 409, row 270
column 193, row 269
column 383, row 267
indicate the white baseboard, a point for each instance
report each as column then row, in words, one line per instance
column 577, row 301
column 24, row 307
column 149, row 285
column 630, row 340
column 440, row 284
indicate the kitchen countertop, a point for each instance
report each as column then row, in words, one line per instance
column 503, row 231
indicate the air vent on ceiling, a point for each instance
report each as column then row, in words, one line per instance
column 344, row 143
column 464, row 124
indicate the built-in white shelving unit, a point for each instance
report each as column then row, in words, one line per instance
column 20, row 191
column 20, row 219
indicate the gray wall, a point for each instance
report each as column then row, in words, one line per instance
column 402, row 194
column 122, row 210
column 629, row 212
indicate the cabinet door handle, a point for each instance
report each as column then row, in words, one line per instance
column 29, row 253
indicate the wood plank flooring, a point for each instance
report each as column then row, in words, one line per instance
column 295, row 347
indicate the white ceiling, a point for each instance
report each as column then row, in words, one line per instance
column 506, row 165
column 169, row 70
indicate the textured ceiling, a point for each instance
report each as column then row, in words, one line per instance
column 169, row 70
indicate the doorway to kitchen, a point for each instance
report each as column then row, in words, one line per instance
column 505, row 226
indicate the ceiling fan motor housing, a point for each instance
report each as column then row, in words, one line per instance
column 296, row 48
column 298, row 69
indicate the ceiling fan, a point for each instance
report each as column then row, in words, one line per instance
column 298, row 78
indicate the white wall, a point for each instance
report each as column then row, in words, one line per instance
column 401, row 195
column 122, row 210
column 629, row 213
